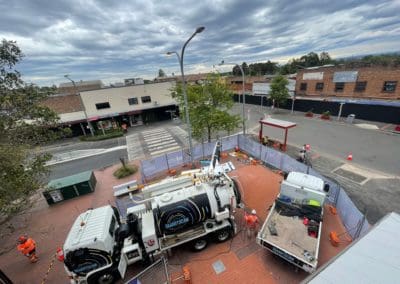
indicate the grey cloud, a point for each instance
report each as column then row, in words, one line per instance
column 97, row 39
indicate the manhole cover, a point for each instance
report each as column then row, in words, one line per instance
column 350, row 175
column 218, row 267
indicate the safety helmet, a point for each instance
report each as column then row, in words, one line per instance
column 253, row 212
column 22, row 239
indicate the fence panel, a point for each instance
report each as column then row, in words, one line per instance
column 365, row 228
column 273, row 157
column 154, row 166
column 253, row 148
column 156, row 273
column 198, row 152
column 291, row 165
column 349, row 213
column 175, row 159
column 229, row 142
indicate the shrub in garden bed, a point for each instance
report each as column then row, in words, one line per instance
column 326, row 115
column 100, row 136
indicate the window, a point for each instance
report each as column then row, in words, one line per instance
column 360, row 86
column 146, row 99
column 303, row 86
column 339, row 87
column 319, row 86
column 133, row 101
column 103, row 105
column 389, row 86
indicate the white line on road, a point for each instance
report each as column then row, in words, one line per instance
column 165, row 150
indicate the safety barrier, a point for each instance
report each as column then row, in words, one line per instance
column 354, row 221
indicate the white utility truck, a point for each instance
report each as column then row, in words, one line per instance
column 192, row 208
column 293, row 226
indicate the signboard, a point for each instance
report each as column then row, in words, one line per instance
column 313, row 76
column 345, row 76
column 56, row 196
column 261, row 88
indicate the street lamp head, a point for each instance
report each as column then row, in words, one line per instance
column 199, row 30
column 221, row 63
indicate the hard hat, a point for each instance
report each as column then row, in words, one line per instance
column 253, row 212
column 22, row 239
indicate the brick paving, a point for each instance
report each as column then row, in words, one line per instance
column 244, row 261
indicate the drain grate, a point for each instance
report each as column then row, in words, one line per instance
column 218, row 266
column 350, row 175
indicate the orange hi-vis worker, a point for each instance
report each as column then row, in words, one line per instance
column 251, row 221
column 27, row 246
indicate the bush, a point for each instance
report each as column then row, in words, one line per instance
column 125, row 171
column 100, row 136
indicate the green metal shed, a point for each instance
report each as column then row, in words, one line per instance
column 69, row 187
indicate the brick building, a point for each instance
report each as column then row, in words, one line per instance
column 373, row 82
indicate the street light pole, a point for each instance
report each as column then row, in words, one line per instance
column 243, row 92
column 180, row 59
column 83, row 106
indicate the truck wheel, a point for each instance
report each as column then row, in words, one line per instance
column 222, row 235
column 104, row 277
column 199, row 244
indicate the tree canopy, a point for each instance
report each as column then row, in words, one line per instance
column 279, row 91
column 24, row 123
column 161, row 73
column 209, row 106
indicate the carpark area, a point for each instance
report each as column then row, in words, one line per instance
column 239, row 260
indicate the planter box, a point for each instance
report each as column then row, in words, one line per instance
column 309, row 114
column 325, row 117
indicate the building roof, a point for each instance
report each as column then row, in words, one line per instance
column 374, row 258
column 63, row 103
column 81, row 83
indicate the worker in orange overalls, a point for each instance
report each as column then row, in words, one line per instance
column 251, row 222
column 27, row 246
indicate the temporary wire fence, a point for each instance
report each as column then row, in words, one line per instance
column 157, row 272
column 354, row 221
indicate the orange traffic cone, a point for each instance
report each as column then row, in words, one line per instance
column 350, row 157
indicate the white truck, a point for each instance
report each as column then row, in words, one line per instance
column 293, row 226
column 100, row 245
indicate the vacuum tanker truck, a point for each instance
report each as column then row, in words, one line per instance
column 100, row 244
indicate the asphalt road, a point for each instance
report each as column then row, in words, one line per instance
column 86, row 164
column 372, row 149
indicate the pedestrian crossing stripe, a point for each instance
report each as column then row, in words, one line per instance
column 165, row 150
column 163, row 141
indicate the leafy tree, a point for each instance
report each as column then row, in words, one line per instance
column 209, row 104
column 236, row 71
column 279, row 91
column 24, row 123
column 161, row 73
column 324, row 58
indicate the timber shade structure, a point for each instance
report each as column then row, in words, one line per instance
column 278, row 124
column 69, row 187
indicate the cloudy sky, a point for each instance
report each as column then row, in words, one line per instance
column 112, row 40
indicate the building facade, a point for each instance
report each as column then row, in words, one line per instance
column 374, row 82
column 133, row 105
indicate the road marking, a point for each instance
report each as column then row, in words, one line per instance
column 385, row 126
column 161, row 143
column 165, row 150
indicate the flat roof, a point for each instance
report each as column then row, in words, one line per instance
column 374, row 258
column 277, row 123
